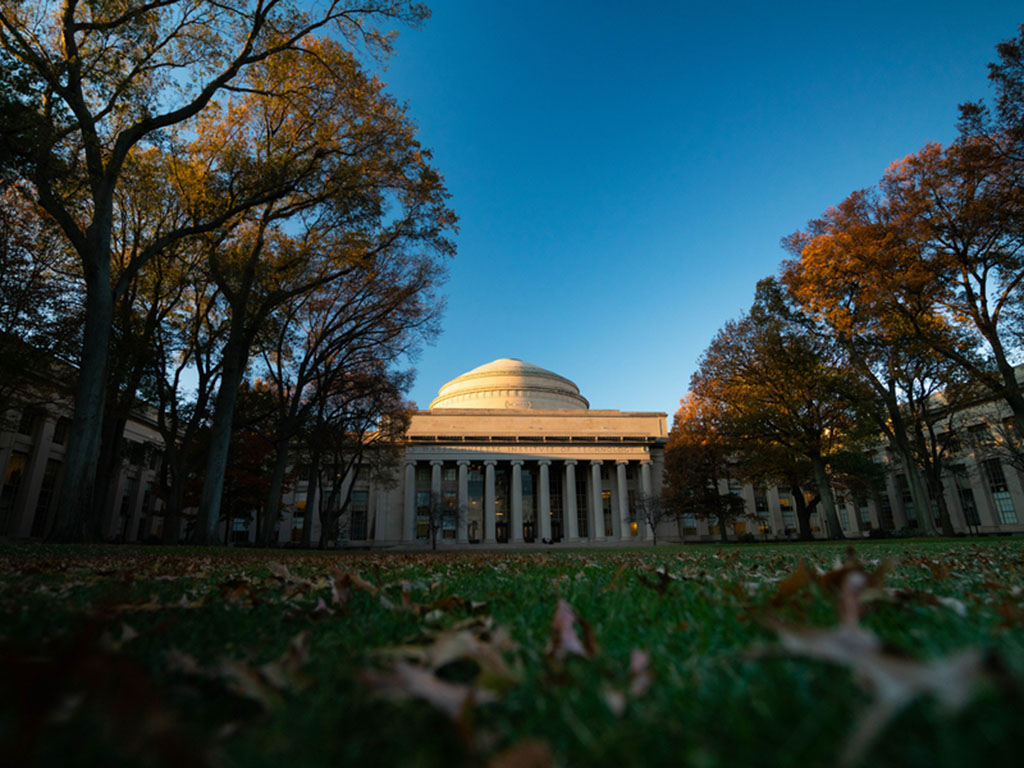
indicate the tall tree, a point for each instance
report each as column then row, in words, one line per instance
column 698, row 461
column 361, row 422
column 364, row 320
column 863, row 284
column 85, row 85
column 778, row 382
column 366, row 196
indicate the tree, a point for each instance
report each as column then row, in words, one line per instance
column 777, row 382
column 360, row 423
column 364, row 321
column 698, row 460
column 440, row 516
column 964, row 222
column 367, row 197
column 863, row 286
column 88, row 84
column 652, row 511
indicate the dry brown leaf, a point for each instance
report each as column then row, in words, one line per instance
column 247, row 682
column 661, row 585
column 792, row 584
column 530, row 753
column 614, row 699
column 894, row 681
column 178, row 661
column 564, row 639
column 611, row 584
column 640, row 676
column 408, row 681
column 279, row 571
column 285, row 672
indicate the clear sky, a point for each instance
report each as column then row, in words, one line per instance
column 624, row 172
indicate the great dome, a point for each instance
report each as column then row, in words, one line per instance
column 510, row 384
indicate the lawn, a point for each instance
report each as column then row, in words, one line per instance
column 895, row 653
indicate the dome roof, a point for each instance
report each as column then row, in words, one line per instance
column 512, row 384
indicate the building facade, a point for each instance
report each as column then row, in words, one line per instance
column 510, row 454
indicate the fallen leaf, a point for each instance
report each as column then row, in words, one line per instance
column 611, row 584
column 409, row 681
column 529, row 753
column 640, row 677
column 564, row 639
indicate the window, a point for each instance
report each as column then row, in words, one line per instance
column 61, row 430
column 966, row 495
column 788, row 513
column 689, row 525
column 1000, row 491
column 844, row 517
column 908, row 500
column 582, row 528
column 45, row 497
column 360, row 505
column 26, row 422
column 606, row 504
column 864, row 513
column 761, row 502
column 885, row 512
column 981, row 437
column 137, row 454
column 12, row 481
column 298, row 520
column 239, row 529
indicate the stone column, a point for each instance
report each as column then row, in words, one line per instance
column 854, row 518
column 20, row 523
column 646, row 532
column 462, row 504
column 623, row 494
column 544, row 508
column 435, row 479
column 409, row 516
column 516, row 523
column 489, row 514
column 435, row 494
column 596, row 510
column 569, row 501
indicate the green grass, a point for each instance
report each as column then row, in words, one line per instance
column 86, row 677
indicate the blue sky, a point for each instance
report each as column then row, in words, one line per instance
column 623, row 173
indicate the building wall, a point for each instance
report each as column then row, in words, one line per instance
column 33, row 441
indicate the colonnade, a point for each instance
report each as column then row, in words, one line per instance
column 622, row 518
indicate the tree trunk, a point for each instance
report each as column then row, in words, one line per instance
column 311, row 495
column 236, row 353
column 174, row 493
column 273, row 505
column 803, row 514
column 76, row 517
column 901, row 446
column 327, row 515
column 827, row 502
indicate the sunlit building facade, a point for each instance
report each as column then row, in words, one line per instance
column 511, row 454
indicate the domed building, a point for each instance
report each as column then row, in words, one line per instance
column 512, row 454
